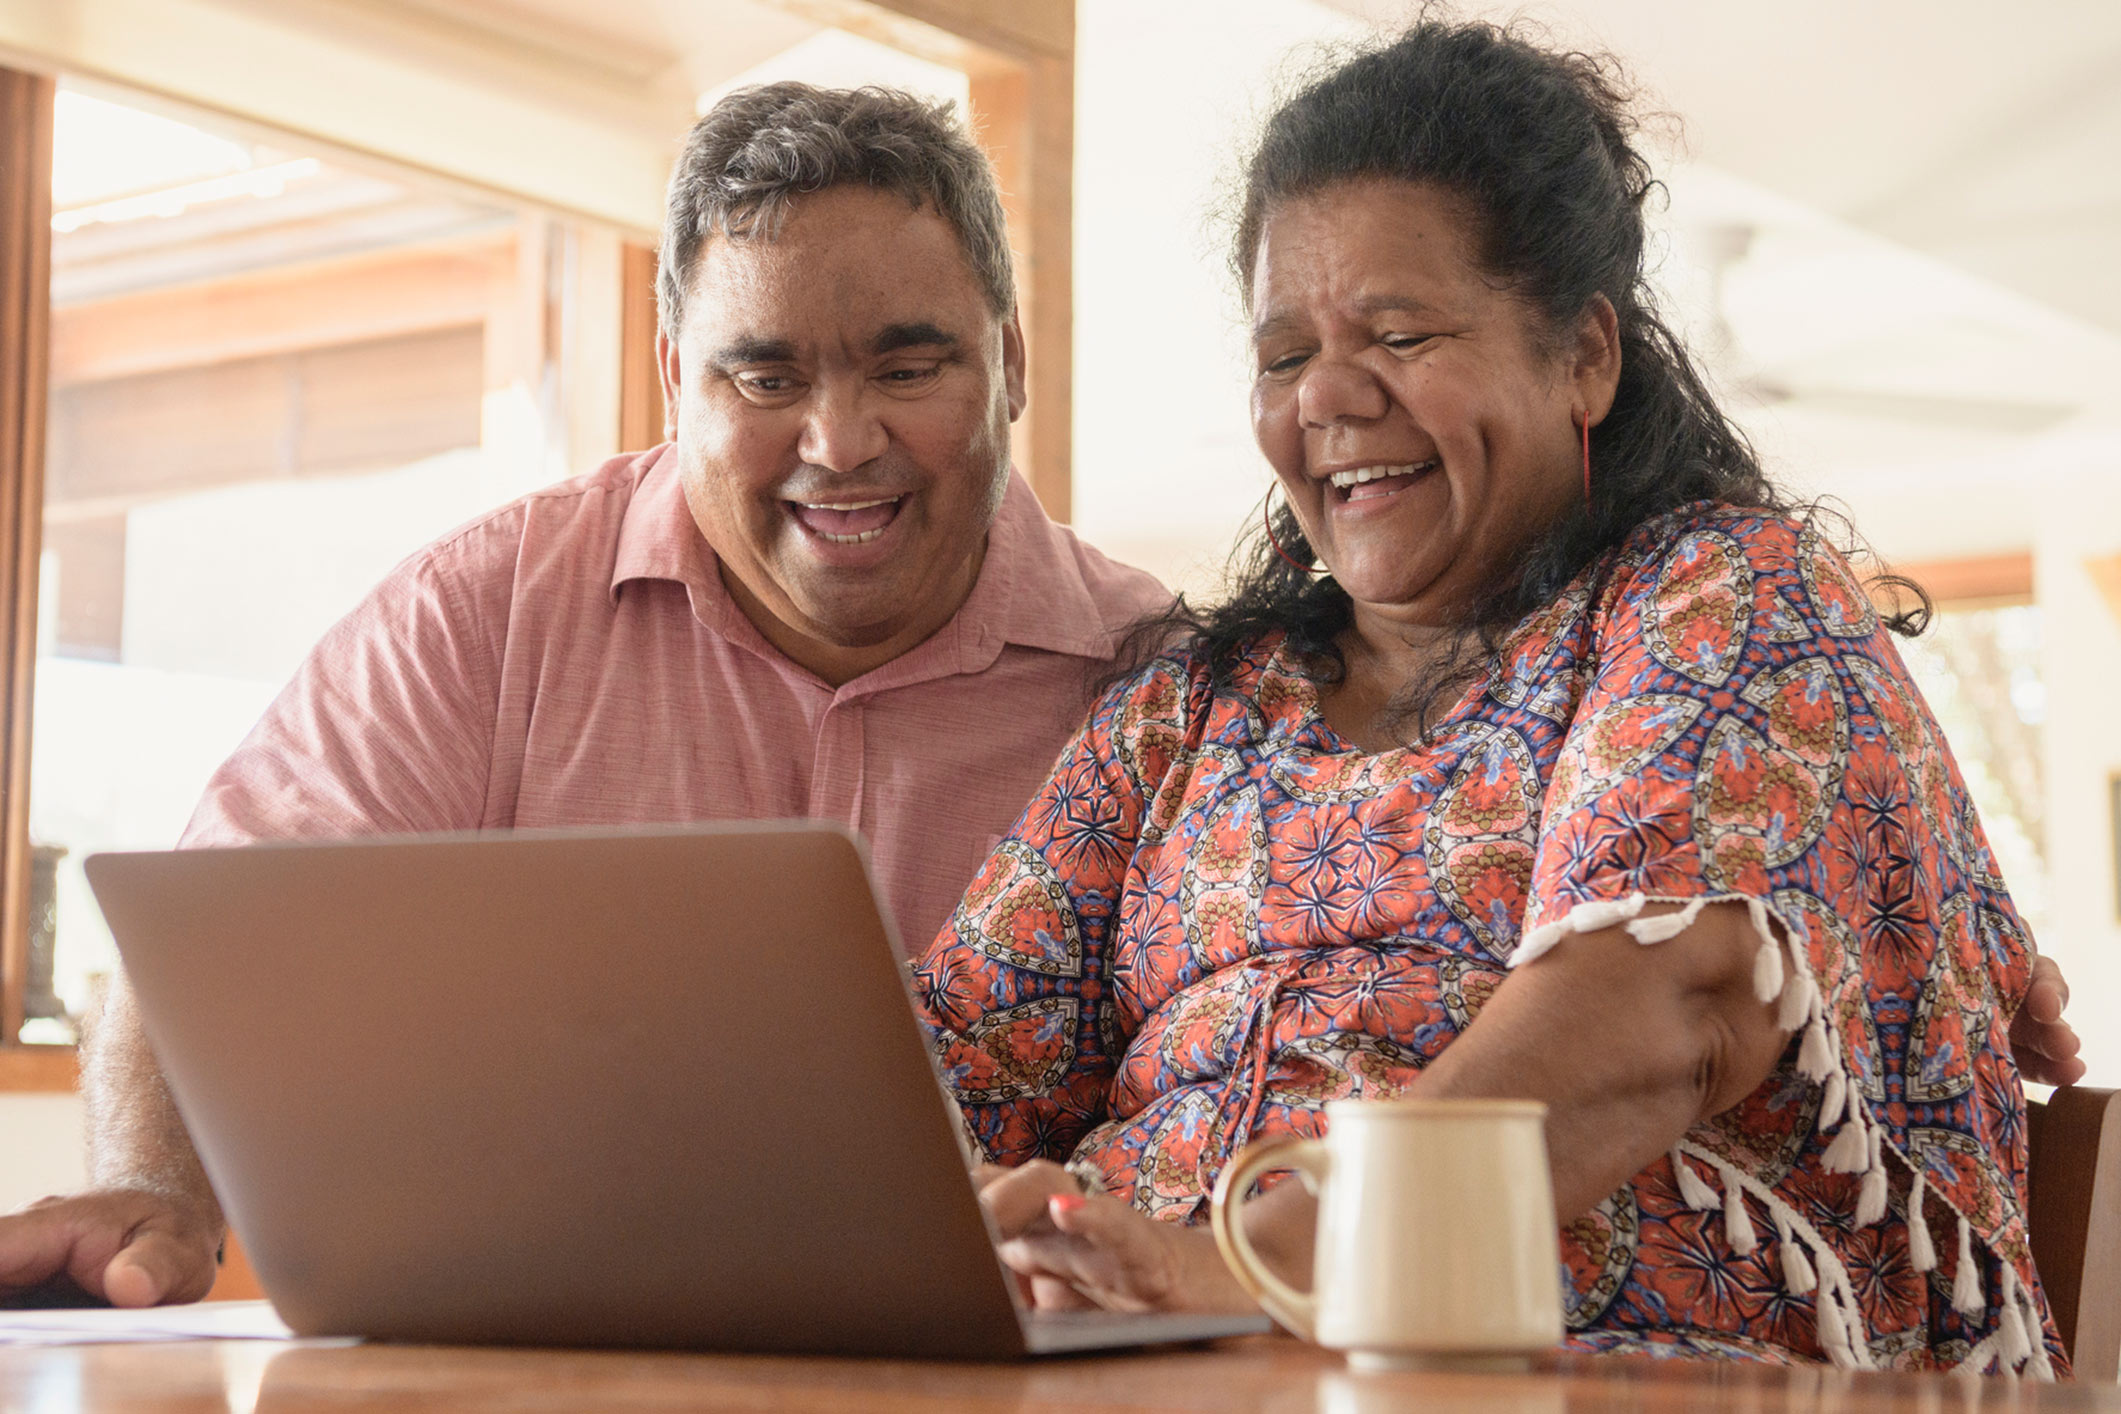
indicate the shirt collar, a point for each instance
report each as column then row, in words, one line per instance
column 1030, row 592
column 658, row 538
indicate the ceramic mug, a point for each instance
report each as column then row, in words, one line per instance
column 1437, row 1242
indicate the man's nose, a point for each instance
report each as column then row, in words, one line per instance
column 1333, row 392
column 842, row 430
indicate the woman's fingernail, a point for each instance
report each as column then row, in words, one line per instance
column 1064, row 1203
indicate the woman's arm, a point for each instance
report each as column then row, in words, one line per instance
column 1628, row 1044
column 1016, row 992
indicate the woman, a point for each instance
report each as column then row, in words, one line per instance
column 1586, row 773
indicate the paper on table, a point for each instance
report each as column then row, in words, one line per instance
column 203, row 1320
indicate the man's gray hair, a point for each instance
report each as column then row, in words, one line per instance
column 760, row 147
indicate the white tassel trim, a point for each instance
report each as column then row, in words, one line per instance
column 1665, row 926
column 1857, row 1148
column 1694, row 1190
column 1797, row 1274
column 1834, row 1331
column 1989, row 1352
column 2018, row 1339
column 1737, row 1224
column 2017, row 1346
column 1966, row 1282
column 2040, row 1364
column 1799, row 994
column 1841, row 1333
column 1921, row 1250
column 1767, row 971
column 1815, row 1058
column 1836, row 1095
column 1851, row 1150
column 1870, row 1203
column 1583, row 918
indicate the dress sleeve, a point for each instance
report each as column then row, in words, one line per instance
column 1749, row 733
column 386, row 728
column 1016, row 992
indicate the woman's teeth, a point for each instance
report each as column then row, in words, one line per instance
column 1344, row 479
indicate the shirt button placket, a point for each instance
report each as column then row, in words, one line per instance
column 836, row 773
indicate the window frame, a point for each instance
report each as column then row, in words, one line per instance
column 26, row 107
column 1020, row 61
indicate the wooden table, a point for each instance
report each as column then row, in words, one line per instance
column 1269, row 1374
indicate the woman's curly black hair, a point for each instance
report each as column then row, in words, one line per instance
column 1540, row 146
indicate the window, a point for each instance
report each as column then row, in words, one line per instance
column 270, row 378
column 272, row 374
column 1979, row 670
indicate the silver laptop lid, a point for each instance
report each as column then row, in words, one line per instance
column 652, row 1088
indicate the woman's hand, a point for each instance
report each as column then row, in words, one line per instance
column 1079, row 1251
column 2046, row 1046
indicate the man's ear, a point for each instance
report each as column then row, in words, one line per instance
column 1013, row 364
column 1594, row 358
column 666, row 366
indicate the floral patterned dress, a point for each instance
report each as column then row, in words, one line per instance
column 1217, row 915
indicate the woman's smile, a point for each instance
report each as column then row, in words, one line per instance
column 1417, row 414
column 1370, row 483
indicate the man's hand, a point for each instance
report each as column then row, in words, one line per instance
column 1078, row 1251
column 127, row 1246
column 2045, row 1044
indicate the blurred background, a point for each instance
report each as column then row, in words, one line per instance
column 327, row 277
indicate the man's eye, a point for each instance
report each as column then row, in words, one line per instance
column 765, row 383
column 909, row 377
column 1403, row 342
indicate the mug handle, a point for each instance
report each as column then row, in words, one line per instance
column 1297, row 1310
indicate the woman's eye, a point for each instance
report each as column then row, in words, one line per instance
column 1286, row 363
column 1403, row 342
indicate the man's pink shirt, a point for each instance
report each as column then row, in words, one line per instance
column 574, row 659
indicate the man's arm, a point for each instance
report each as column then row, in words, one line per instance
column 147, row 1229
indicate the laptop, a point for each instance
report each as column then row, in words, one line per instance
column 655, row 1088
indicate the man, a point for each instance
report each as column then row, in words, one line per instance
column 826, row 596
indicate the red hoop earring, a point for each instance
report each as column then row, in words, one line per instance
column 1266, row 517
column 1586, row 459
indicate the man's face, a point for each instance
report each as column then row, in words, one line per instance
column 841, row 397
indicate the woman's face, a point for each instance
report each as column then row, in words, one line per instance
column 1422, row 430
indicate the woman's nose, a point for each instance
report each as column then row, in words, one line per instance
column 1333, row 392
column 842, row 431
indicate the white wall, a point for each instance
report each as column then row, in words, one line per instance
column 40, row 1148
column 1165, row 469
column 2080, row 516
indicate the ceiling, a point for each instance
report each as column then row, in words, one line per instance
column 1993, row 145
column 1986, row 138
column 1895, row 221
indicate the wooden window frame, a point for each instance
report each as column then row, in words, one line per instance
column 1020, row 63
column 25, row 328
column 1020, row 60
column 1974, row 579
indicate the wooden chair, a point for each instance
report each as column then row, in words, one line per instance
column 2075, row 1213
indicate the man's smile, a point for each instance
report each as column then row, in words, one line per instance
column 854, row 520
